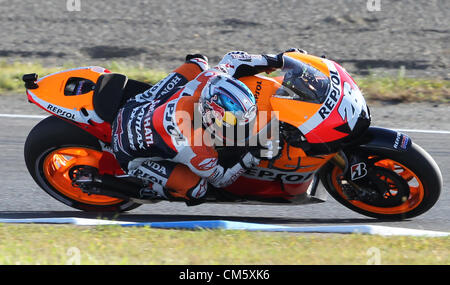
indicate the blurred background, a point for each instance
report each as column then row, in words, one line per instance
column 365, row 36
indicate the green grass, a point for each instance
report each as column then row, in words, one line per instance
column 11, row 73
column 375, row 88
column 402, row 89
column 65, row 244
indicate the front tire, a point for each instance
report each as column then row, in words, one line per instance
column 413, row 177
column 55, row 146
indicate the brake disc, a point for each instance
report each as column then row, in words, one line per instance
column 384, row 188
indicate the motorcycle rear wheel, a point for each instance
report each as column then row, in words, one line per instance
column 52, row 148
column 413, row 178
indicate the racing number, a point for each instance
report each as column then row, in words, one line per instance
column 351, row 106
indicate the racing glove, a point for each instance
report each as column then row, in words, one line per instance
column 276, row 61
column 224, row 177
column 199, row 59
column 239, row 64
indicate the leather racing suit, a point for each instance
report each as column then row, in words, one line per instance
column 154, row 139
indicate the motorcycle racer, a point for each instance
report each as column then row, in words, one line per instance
column 155, row 138
column 316, row 115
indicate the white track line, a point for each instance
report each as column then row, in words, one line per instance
column 230, row 225
column 74, row 221
column 22, row 116
column 423, row 131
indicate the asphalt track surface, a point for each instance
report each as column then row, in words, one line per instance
column 20, row 197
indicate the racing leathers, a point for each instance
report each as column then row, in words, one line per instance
column 155, row 138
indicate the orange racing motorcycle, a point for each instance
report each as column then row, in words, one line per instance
column 325, row 137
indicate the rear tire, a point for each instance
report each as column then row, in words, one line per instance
column 417, row 162
column 54, row 136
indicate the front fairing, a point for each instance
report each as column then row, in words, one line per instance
column 340, row 114
column 343, row 116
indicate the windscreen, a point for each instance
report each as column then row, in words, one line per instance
column 303, row 82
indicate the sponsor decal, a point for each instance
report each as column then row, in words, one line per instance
column 348, row 102
column 258, row 90
column 117, row 143
column 204, row 164
column 148, row 133
column 129, row 131
column 153, row 172
column 161, row 88
column 169, row 124
column 333, row 96
column 401, row 141
column 171, row 84
column 147, row 176
column 146, row 96
column 168, row 118
column 276, row 175
column 138, row 128
column 397, row 140
column 241, row 56
column 60, row 112
column 405, row 141
column 200, row 190
column 358, row 170
column 141, row 119
column 161, row 169
column 330, row 103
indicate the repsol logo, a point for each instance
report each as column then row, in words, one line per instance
column 150, row 177
column 169, row 112
column 169, row 124
column 273, row 175
column 61, row 112
column 258, row 90
column 333, row 97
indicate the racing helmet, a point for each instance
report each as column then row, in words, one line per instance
column 228, row 109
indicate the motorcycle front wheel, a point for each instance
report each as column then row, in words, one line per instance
column 399, row 185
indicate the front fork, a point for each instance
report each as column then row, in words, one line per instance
column 341, row 161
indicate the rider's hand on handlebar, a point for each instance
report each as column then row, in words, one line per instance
column 276, row 61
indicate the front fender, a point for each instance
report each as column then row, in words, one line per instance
column 376, row 138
